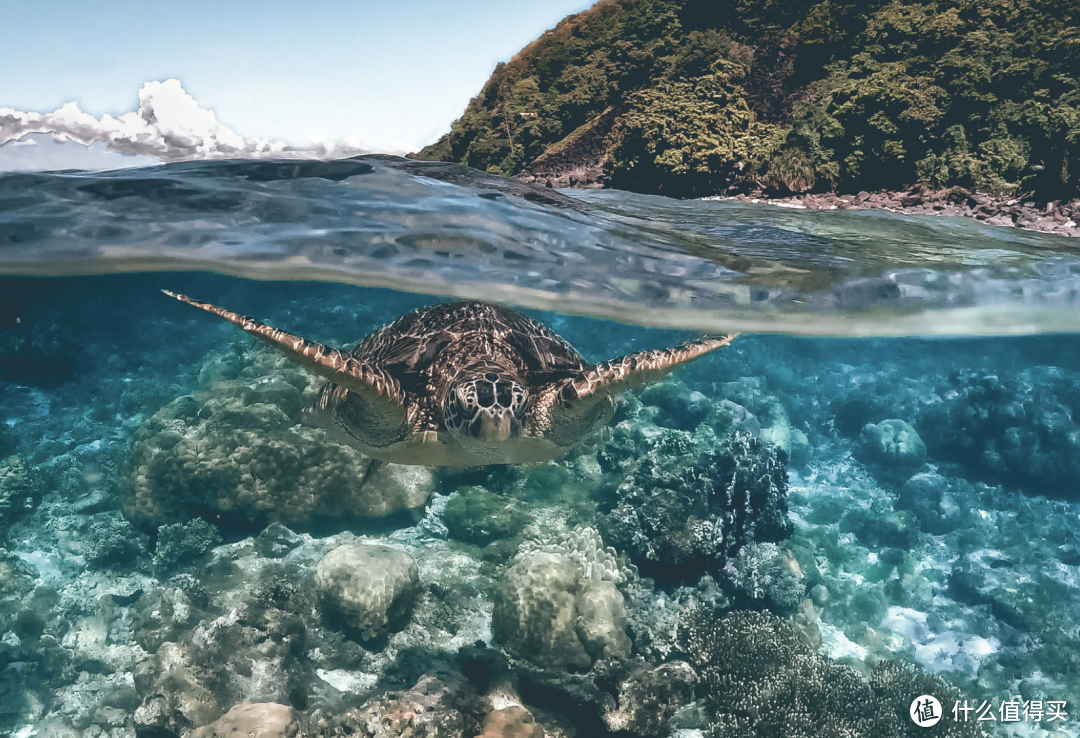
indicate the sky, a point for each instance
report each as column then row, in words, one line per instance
column 381, row 76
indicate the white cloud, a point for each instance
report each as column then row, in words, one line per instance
column 168, row 125
column 40, row 152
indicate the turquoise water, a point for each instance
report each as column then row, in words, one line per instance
column 870, row 496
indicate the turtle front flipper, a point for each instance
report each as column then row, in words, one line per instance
column 581, row 402
column 380, row 394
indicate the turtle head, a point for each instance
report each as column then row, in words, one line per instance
column 486, row 402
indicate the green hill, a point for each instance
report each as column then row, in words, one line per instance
column 702, row 96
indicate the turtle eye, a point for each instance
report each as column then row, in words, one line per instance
column 461, row 406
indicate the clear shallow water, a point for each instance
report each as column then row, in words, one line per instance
column 125, row 416
column 444, row 229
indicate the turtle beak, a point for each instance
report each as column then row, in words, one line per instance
column 494, row 428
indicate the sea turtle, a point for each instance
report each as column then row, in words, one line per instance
column 464, row 384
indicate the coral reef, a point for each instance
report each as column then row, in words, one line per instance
column 253, row 720
column 509, row 614
column 682, row 503
column 233, row 451
column 1016, row 428
column 750, row 403
column 1019, row 430
column 558, row 605
column 893, row 444
column 18, row 489
column 371, row 588
column 648, row 697
column 763, row 574
column 475, row 515
column 513, row 721
column 111, row 542
column 175, row 698
column 440, row 704
column 759, row 679
column 183, row 544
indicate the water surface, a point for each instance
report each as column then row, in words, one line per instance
column 882, row 472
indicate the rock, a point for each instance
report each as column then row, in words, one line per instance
column 276, row 541
column 371, row 588
column 738, row 418
column 235, row 451
column 677, row 406
column 511, row 722
column 894, row 444
column 475, row 515
column 800, row 449
column 750, row 392
column 175, row 700
column 649, row 696
column 439, row 705
column 253, row 720
column 930, row 498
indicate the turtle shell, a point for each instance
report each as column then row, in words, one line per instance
column 426, row 348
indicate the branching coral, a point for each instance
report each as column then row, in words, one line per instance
column 585, row 547
column 683, row 503
column 764, row 574
column 18, row 489
column 183, row 544
column 760, row 679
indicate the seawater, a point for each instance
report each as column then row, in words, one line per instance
column 905, row 397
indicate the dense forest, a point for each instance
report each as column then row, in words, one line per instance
column 703, row 96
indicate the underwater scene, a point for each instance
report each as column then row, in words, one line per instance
column 564, row 498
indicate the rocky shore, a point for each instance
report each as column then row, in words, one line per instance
column 580, row 169
column 1060, row 218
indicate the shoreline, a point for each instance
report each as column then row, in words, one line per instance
column 1055, row 217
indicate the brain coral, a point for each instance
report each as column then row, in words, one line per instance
column 372, row 588
column 234, row 451
column 559, row 606
column 893, row 443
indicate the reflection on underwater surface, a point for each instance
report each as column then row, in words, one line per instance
column 438, row 228
column 791, row 536
column 787, row 537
